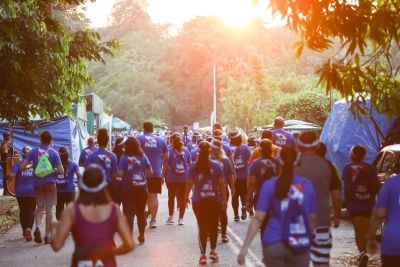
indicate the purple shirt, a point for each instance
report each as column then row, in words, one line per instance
column 178, row 165
column 301, row 189
column 263, row 169
column 154, row 147
column 85, row 154
column 241, row 155
column 23, row 181
column 106, row 160
column 54, row 158
column 70, row 177
column 134, row 169
column 281, row 137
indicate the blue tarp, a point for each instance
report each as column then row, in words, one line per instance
column 342, row 131
column 66, row 132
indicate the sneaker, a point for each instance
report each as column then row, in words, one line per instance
column 214, row 256
column 225, row 239
column 181, row 222
column 141, row 239
column 203, row 259
column 237, row 219
column 28, row 235
column 153, row 224
column 47, row 239
column 170, row 220
column 363, row 260
column 244, row 213
column 38, row 236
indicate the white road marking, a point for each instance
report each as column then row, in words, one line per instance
column 236, row 250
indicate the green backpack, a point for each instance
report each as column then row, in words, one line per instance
column 44, row 167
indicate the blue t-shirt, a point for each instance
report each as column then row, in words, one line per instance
column 263, row 169
column 191, row 146
column 134, row 169
column 85, row 154
column 154, row 147
column 301, row 189
column 241, row 155
column 227, row 149
column 206, row 185
column 226, row 167
column 194, row 154
column 281, row 137
column 70, row 177
column 351, row 170
column 105, row 159
column 54, row 158
column 389, row 199
column 23, row 181
column 178, row 165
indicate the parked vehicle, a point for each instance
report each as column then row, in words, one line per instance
column 387, row 160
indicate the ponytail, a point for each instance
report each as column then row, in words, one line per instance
column 287, row 158
column 64, row 156
column 203, row 161
column 266, row 148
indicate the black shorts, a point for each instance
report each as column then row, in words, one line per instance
column 154, row 185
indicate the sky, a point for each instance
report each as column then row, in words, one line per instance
column 176, row 12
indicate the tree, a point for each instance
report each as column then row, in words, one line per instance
column 368, row 31
column 43, row 64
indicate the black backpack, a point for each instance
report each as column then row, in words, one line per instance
column 361, row 190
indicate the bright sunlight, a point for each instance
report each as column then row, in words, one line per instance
column 236, row 13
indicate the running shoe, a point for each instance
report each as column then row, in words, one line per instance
column 153, row 224
column 47, row 239
column 141, row 239
column 214, row 256
column 244, row 213
column 181, row 222
column 170, row 220
column 203, row 259
column 28, row 235
column 225, row 239
column 38, row 236
column 237, row 219
column 363, row 260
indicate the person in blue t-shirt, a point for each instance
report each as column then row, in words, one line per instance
column 261, row 170
column 134, row 166
column 218, row 155
column 281, row 137
column 241, row 154
column 67, row 182
column 107, row 160
column 156, row 150
column 45, row 187
column 276, row 197
column 387, row 209
column 360, row 188
column 25, row 195
column 87, row 151
column 176, row 169
column 186, row 135
column 195, row 152
column 193, row 142
column 209, row 198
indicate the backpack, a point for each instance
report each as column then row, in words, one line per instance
column 295, row 228
column 361, row 190
column 134, row 165
column 268, row 169
column 207, row 188
column 44, row 167
column 180, row 163
column 240, row 163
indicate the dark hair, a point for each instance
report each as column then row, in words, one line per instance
column 209, row 138
column 203, row 161
column 266, row 148
column 217, row 126
column 200, row 140
column 234, row 139
column 90, row 141
column 118, row 149
column 217, row 132
column 132, row 147
column 64, row 156
column 172, row 138
column 321, row 149
column 46, row 137
column 279, row 122
column 358, row 152
column 288, row 155
column 195, row 136
column 25, row 151
column 92, row 177
column 177, row 144
column 102, row 137
column 266, row 134
column 148, row 127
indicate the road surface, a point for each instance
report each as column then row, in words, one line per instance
column 168, row 245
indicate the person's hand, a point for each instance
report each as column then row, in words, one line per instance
column 30, row 165
column 372, row 246
column 241, row 259
column 335, row 220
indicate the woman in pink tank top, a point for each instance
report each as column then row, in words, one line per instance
column 93, row 220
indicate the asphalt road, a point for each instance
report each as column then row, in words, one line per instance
column 168, row 245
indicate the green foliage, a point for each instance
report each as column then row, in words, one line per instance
column 365, row 66
column 43, row 64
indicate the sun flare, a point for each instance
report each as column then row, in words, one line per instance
column 236, row 13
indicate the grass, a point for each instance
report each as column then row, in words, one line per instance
column 9, row 214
